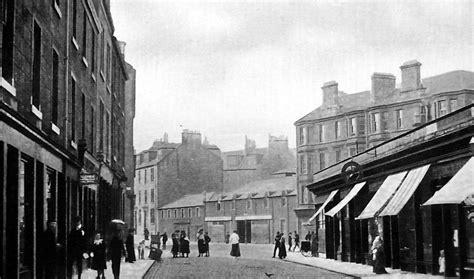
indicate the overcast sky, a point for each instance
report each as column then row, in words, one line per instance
column 231, row 69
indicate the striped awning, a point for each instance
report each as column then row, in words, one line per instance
column 405, row 192
column 460, row 187
column 330, row 197
column 383, row 195
column 346, row 199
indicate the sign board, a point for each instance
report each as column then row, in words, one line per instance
column 88, row 178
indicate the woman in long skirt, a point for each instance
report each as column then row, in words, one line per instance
column 378, row 255
column 184, row 244
column 201, row 247
column 98, row 249
column 175, row 247
column 129, row 243
column 234, row 241
column 282, row 250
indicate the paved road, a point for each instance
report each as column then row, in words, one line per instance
column 256, row 260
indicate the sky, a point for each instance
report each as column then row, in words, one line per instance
column 231, row 69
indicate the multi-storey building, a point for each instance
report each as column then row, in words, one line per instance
column 129, row 156
column 257, row 210
column 252, row 163
column 167, row 171
column 347, row 124
column 62, row 125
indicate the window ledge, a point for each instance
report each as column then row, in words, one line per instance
column 55, row 129
column 73, row 144
column 36, row 112
column 74, row 42
column 93, row 77
column 57, row 9
column 8, row 87
column 84, row 61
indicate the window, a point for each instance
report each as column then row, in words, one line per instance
column 182, row 212
column 152, row 195
column 310, row 134
column 338, row 155
column 145, row 217
column 190, row 212
column 265, row 202
column 73, row 109
column 139, row 197
column 303, row 135
column 352, row 151
column 384, row 123
column 233, row 205
column 145, row 175
column 421, row 117
column 198, row 213
column 152, row 174
column 440, row 108
column 93, row 52
column 399, row 115
column 310, row 163
column 218, row 206
column 84, row 35
column 135, row 217
column 54, row 93
column 352, row 126
column 152, row 216
column 107, row 139
column 139, row 216
column 146, row 196
column 101, row 128
column 169, row 214
column 108, row 65
column 321, row 133
column 74, row 18
column 139, row 176
column 283, row 201
column 303, row 169
column 8, row 19
column 249, row 203
column 83, row 116
column 36, row 98
column 375, row 122
column 453, row 104
column 92, row 147
column 175, row 213
column 337, row 129
column 322, row 160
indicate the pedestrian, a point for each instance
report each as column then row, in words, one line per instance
column 282, row 250
column 130, row 244
column 441, row 262
column 277, row 243
column 184, row 244
column 234, row 241
column 290, row 242
column 227, row 236
column 49, row 251
column 378, row 255
column 116, row 251
column 175, row 247
column 141, row 249
column 314, row 244
column 77, row 244
column 297, row 241
column 146, row 233
column 164, row 239
column 207, row 239
column 200, row 241
column 308, row 236
column 98, row 255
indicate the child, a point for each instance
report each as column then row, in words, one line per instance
column 141, row 249
column 441, row 262
column 98, row 255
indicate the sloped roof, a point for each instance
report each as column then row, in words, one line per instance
column 446, row 82
column 189, row 201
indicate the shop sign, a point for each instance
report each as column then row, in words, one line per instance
column 88, row 178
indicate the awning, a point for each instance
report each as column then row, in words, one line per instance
column 458, row 188
column 253, row 217
column 331, row 196
column 385, row 192
column 346, row 199
column 406, row 190
column 217, row 218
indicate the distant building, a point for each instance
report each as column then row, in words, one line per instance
column 252, row 163
column 168, row 171
column 257, row 210
column 347, row 124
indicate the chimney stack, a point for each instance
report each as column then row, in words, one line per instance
column 330, row 94
column 382, row 85
column 411, row 79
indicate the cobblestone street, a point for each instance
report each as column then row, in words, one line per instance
column 256, row 262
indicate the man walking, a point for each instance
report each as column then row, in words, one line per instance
column 277, row 243
column 48, row 252
column 297, row 241
column 164, row 239
column 290, row 242
column 77, row 248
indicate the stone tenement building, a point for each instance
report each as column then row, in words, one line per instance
column 347, row 124
column 62, row 125
column 168, row 171
column 250, row 164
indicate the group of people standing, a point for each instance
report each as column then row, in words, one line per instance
column 203, row 240
column 281, row 246
column 180, row 244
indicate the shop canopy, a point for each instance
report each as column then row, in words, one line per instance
column 330, row 197
column 383, row 195
column 346, row 199
column 460, row 187
column 406, row 190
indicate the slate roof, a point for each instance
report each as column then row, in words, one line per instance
column 189, row 201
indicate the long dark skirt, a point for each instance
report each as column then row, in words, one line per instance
column 379, row 263
column 201, row 246
column 282, row 251
column 175, row 247
column 184, row 247
column 116, row 266
column 235, row 252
